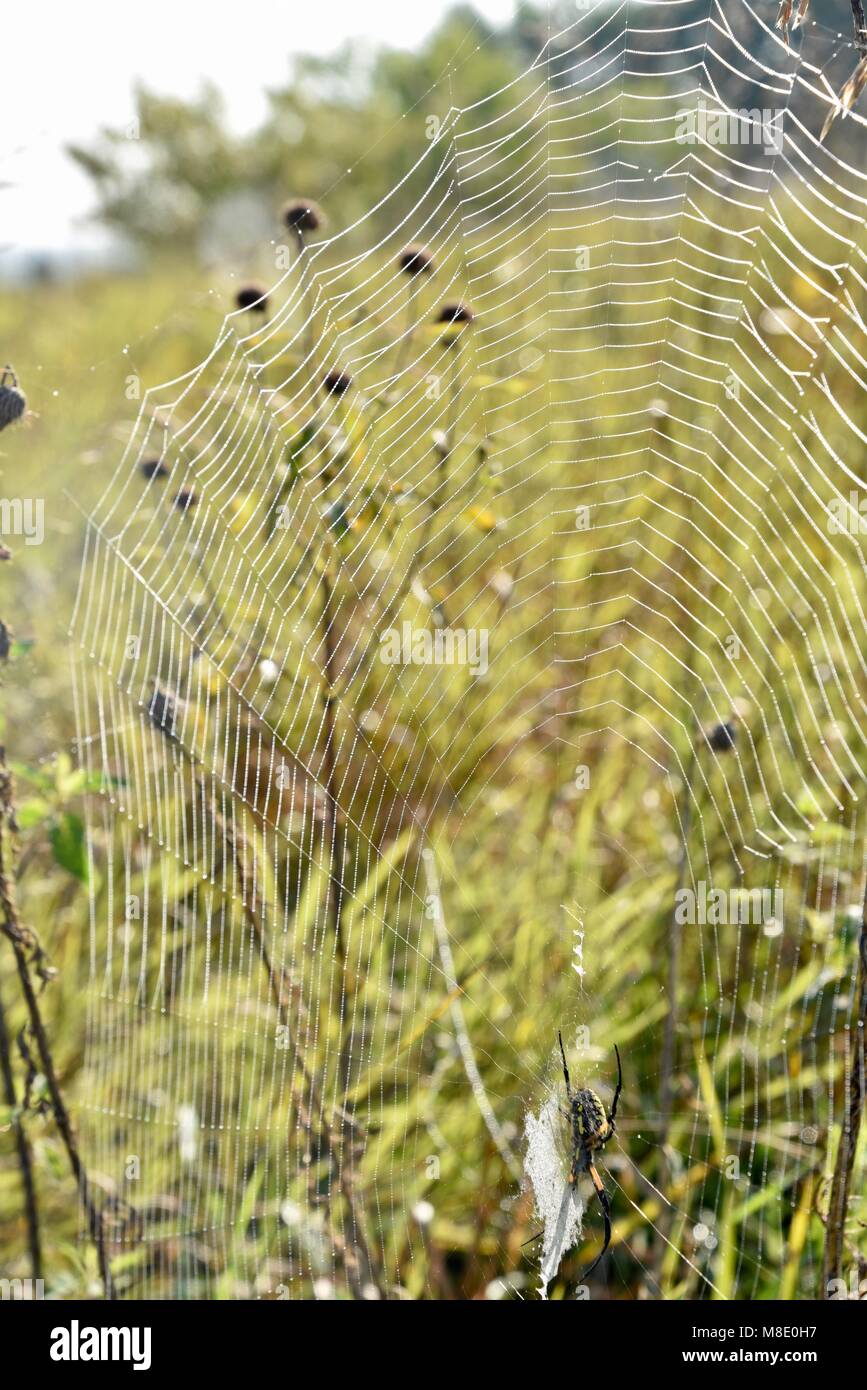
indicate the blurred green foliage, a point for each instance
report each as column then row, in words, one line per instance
column 346, row 127
column 761, row 1050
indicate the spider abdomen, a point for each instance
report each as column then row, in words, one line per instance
column 590, row 1123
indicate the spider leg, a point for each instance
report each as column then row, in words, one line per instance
column 619, row 1086
column 565, row 1068
column 606, row 1216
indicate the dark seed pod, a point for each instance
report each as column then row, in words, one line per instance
column 162, row 708
column 13, row 402
column 252, row 297
column 455, row 313
column 416, row 260
column 154, row 468
column 337, row 518
column 722, row 737
column 186, row 499
column 337, row 383
column 302, row 215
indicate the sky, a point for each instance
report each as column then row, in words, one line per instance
column 68, row 70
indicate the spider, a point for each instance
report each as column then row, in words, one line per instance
column 592, row 1127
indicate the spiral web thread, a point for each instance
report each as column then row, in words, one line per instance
column 622, row 473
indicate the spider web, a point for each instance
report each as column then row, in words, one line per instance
column 306, row 1001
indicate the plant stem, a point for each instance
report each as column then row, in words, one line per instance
column 844, row 1166
column 668, row 1056
column 669, row 1037
column 406, row 341
column 303, row 264
column 22, row 1145
column 335, row 836
column 20, row 940
column 462, row 1037
column 335, row 840
column 358, row 1263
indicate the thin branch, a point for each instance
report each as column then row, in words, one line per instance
column 335, row 834
column 853, row 87
column 22, row 1145
column 462, row 1036
column 23, row 943
column 668, row 1057
column 436, row 504
column 360, row 1270
column 669, row 1037
column 842, row 1180
column 335, row 841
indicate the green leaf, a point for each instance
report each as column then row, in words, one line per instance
column 69, row 845
column 32, row 812
column 34, row 776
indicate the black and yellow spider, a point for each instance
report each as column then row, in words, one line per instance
column 592, row 1127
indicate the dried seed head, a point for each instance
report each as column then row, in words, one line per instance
column 337, row 518
column 722, row 737
column 337, row 383
column 416, row 260
column 302, row 215
column 154, row 468
column 186, row 499
column 455, row 313
column 441, row 443
column 13, row 402
column 162, row 709
column 502, row 583
column 253, row 297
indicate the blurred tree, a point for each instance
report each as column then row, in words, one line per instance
column 346, row 129
column 352, row 124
